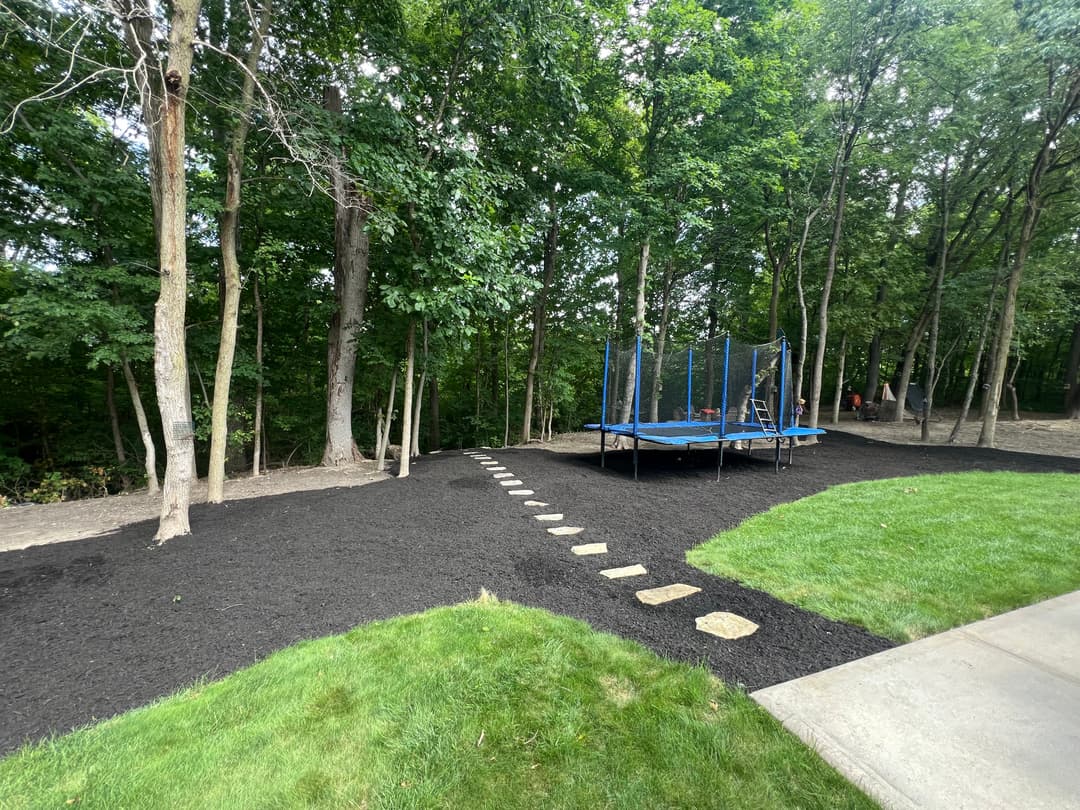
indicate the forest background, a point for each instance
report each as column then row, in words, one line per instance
column 306, row 231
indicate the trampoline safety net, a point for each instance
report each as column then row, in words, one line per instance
column 711, row 382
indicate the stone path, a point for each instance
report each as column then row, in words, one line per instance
column 718, row 623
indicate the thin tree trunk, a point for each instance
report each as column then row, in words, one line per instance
column 935, row 310
column 434, row 437
column 909, row 363
column 551, row 246
column 840, row 379
column 639, row 329
column 256, row 453
column 1072, row 377
column 149, row 452
column 383, row 440
column 419, row 398
column 114, row 423
column 406, row 407
column 1010, row 385
column 351, row 274
column 230, row 265
column 984, row 331
column 661, row 339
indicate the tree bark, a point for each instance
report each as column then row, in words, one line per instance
column 1072, row 377
column 434, row 437
column 840, row 379
column 551, row 245
column 163, row 109
column 114, row 423
column 256, row 453
column 935, row 309
column 351, row 273
column 149, row 452
column 230, row 265
column 639, row 330
column 661, row 339
column 984, row 331
column 383, row 439
column 406, row 406
column 418, row 399
column 909, row 362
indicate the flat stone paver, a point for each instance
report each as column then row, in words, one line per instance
column 434, row 452
column 488, row 463
column 625, row 571
column 482, row 458
column 534, row 503
column 503, row 475
column 522, row 492
column 668, row 593
column 725, row 625
column 496, row 469
column 984, row 716
column 553, row 516
column 514, row 483
column 565, row 530
column 589, row 548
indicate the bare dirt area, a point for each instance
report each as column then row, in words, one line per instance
column 1043, row 434
column 34, row 524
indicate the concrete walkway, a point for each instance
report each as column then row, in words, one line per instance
column 984, row 716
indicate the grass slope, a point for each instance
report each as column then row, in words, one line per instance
column 908, row 557
column 483, row 705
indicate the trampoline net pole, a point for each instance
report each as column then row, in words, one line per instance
column 603, row 393
column 689, row 384
column 783, row 385
column 724, row 386
column 637, row 384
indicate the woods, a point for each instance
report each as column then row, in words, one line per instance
column 311, row 233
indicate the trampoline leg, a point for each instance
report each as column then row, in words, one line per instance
column 603, row 445
column 719, row 459
column 778, row 440
column 635, row 458
column 790, row 448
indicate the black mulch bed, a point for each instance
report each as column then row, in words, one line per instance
column 92, row 628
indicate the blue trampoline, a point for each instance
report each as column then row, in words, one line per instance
column 723, row 395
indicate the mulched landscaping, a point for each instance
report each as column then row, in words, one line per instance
column 95, row 627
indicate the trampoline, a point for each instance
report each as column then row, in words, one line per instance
column 729, row 400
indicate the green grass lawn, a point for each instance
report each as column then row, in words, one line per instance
column 483, row 705
column 908, row 557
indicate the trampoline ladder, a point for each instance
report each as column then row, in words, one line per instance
column 768, row 425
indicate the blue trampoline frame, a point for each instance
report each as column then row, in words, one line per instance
column 706, row 432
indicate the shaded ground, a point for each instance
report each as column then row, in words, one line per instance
column 92, row 628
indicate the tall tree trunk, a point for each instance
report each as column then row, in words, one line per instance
column 1010, row 385
column 406, row 407
column 163, row 109
column 976, row 363
column 434, row 437
column 1062, row 112
column 230, row 265
column 909, row 363
column 256, row 453
column 873, row 362
column 114, row 423
column 935, row 309
column 551, row 245
column 149, row 452
column 383, row 439
column 840, row 379
column 639, row 330
column 661, row 339
column 351, row 273
column 418, row 399
column 1072, row 377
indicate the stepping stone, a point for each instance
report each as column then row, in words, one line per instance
column 482, row 458
column 590, row 548
column 503, row 475
column 565, row 530
column 627, row 571
column 493, row 469
column 487, row 463
column 510, row 483
column 484, row 447
column 557, row 516
column 725, row 625
column 522, row 492
column 534, row 503
column 434, row 452
column 668, row 593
